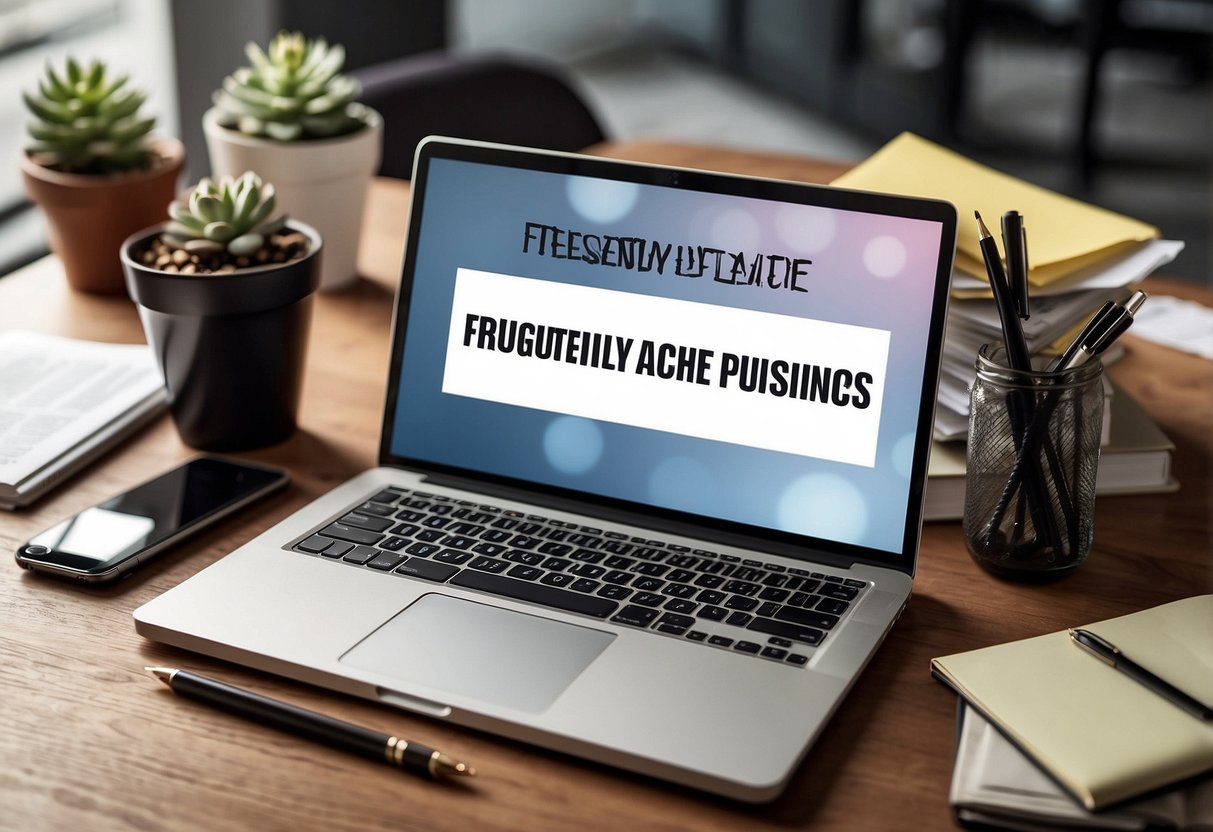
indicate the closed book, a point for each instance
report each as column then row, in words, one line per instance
column 1101, row 735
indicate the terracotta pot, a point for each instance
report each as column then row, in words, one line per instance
column 322, row 182
column 231, row 346
column 88, row 217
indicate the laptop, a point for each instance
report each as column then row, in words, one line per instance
column 651, row 471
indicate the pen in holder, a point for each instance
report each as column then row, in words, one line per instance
column 1033, row 453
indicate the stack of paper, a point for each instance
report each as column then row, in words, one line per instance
column 1079, row 255
column 63, row 402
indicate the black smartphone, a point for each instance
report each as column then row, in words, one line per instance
column 109, row 540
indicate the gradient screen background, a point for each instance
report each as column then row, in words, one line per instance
column 869, row 269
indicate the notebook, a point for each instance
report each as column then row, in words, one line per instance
column 1100, row 734
column 651, row 470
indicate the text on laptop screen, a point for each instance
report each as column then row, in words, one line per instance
column 732, row 357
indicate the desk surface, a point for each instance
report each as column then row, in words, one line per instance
column 89, row 741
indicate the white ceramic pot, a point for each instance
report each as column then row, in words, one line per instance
column 322, row 182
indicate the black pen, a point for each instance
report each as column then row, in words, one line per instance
column 1015, row 244
column 1109, row 654
column 410, row 756
column 1102, row 333
column 1012, row 332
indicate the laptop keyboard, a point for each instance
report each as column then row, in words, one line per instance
column 713, row 598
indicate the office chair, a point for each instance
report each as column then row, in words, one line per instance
column 499, row 98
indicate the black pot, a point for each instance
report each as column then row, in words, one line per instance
column 231, row 346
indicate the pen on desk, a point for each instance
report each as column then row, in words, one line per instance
column 1109, row 654
column 1015, row 244
column 1100, row 333
column 410, row 756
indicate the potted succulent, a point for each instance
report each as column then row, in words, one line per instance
column 95, row 169
column 291, row 117
column 224, row 290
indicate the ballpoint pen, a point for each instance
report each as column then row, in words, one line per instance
column 1108, row 653
column 410, row 756
column 1103, row 334
column 1093, row 325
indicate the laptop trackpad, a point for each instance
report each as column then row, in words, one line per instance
column 471, row 649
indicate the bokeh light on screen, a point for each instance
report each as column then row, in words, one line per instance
column 680, row 482
column 734, row 230
column 902, row 455
column 805, row 229
column 884, row 256
column 599, row 200
column 824, row 505
column 572, row 445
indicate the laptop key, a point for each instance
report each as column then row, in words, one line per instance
column 648, row 599
column 796, row 632
column 614, row 592
column 635, row 616
column 584, row 585
column 430, row 571
column 452, row 556
column 422, row 550
column 378, row 509
column 394, row 544
column 525, row 573
column 842, row 593
column 536, row 593
column 518, row 556
column 747, row 647
column 557, row 579
column 720, row 641
column 680, row 605
column 807, row 618
column 341, row 531
column 798, row 659
column 386, row 561
column 314, row 544
column 337, row 549
column 713, row 613
column 363, row 521
column 832, row 606
column 387, row 495
column 361, row 554
column 485, row 564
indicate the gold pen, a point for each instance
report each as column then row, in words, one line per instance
column 409, row 756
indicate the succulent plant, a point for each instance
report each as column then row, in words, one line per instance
column 293, row 91
column 86, row 121
column 232, row 215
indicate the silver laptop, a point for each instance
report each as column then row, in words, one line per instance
column 651, row 472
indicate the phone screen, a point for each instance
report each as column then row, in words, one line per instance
column 103, row 536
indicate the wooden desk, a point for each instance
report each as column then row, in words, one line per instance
column 89, row 741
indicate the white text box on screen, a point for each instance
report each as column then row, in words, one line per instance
column 615, row 377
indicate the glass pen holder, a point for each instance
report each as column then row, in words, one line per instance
column 1033, row 453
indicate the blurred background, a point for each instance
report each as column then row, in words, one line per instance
column 1110, row 101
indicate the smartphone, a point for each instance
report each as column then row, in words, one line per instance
column 109, row 540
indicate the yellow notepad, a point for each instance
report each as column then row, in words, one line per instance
column 1064, row 234
column 1103, row 736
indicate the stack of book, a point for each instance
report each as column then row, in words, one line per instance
column 1052, row 737
column 1080, row 257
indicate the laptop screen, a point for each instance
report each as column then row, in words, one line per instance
column 751, row 356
